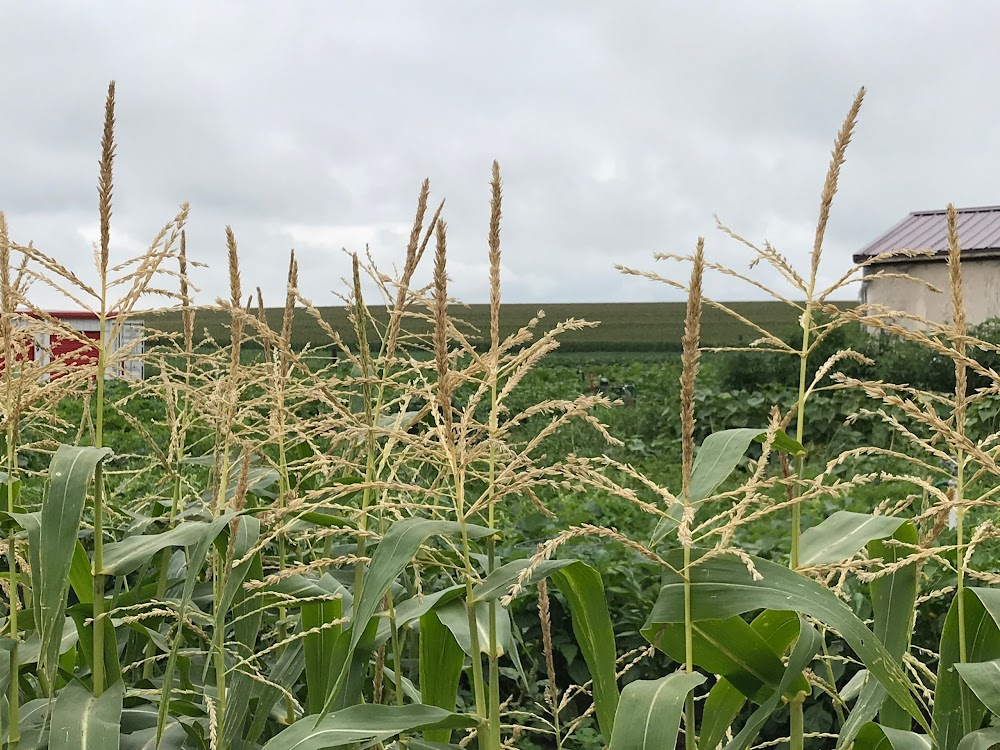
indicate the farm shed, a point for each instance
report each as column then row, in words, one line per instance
column 74, row 352
column 979, row 235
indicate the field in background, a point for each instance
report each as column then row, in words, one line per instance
column 624, row 327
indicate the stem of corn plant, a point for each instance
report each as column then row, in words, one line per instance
column 494, row 659
column 99, row 662
column 800, row 417
column 477, row 659
column 796, row 723
column 14, row 696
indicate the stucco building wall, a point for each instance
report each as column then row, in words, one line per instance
column 980, row 288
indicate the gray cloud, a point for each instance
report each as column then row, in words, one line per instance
column 620, row 127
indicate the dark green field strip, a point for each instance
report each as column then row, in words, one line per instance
column 624, row 326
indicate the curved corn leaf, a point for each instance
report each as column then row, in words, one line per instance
column 394, row 552
column 877, row 737
column 807, row 645
column 70, row 472
column 583, row 590
column 981, row 739
column 128, row 555
column 499, row 582
column 82, row 722
column 722, row 587
column 413, row 609
column 719, row 454
column 649, row 714
column 957, row 710
column 983, row 678
column 366, row 723
column 842, row 535
column 724, row 702
column 441, row 662
column 894, row 599
column 729, row 648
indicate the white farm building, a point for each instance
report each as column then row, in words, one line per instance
column 979, row 237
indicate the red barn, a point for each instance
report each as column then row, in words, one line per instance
column 72, row 351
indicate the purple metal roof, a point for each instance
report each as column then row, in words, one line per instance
column 978, row 231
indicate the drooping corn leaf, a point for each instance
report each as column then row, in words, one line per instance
column 722, row 587
column 649, row 713
column 583, row 589
column 807, row 645
column 70, row 472
column 365, row 723
column 441, row 662
column 957, row 710
column 81, row 721
column 842, row 535
column 876, row 737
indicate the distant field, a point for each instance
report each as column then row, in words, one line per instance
column 624, row 326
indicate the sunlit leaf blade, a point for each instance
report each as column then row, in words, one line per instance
column 414, row 608
column 807, row 645
column 724, row 702
column 126, row 556
column 82, row 722
column 981, row 739
column 649, row 713
column 319, row 649
column 583, row 590
column 499, row 582
column 877, row 737
column 983, row 678
column 955, row 705
column 173, row 739
column 364, row 723
column 70, row 472
column 730, row 648
column 722, row 587
column 394, row 552
column 719, row 454
column 842, row 535
column 441, row 662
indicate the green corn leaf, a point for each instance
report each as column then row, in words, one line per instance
column 394, row 552
column 128, row 555
column 955, row 705
column 807, row 645
column 583, row 590
column 286, row 671
column 367, row 724
column 730, row 648
column 241, row 686
column 718, row 456
column 649, row 714
column 499, row 582
column 724, row 702
column 414, row 608
column 894, row 604
column 877, row 737
column 983, row 678
column 441, row 662
column 319, row 649
column 981, row 739
column 70, row 472
column 722, row 587
column 82, row 722
column 195, row 565
column 842, row 535
column 173, row 739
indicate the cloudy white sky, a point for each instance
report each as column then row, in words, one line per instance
column 620, row 127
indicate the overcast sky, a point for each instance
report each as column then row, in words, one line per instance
column 620, row 127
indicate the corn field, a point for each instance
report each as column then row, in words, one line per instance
column 311, row 560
